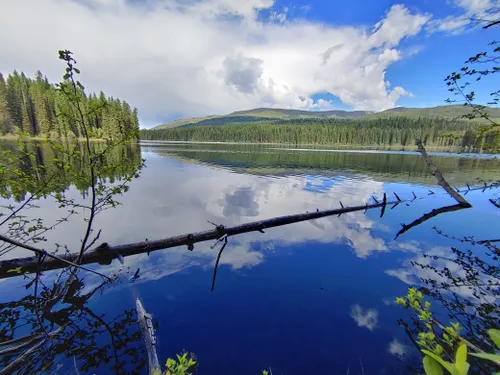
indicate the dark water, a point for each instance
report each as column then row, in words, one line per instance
column 311, row 297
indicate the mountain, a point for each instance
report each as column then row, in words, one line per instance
column 445, row 111
column 261, row 114
column 266, row 114
column 287, row 114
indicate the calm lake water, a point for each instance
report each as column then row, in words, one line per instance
column 311, row 297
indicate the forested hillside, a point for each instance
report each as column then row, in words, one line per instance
column 261, row 114
column 394, row 131
column 455, row 111
column 34, row 106
column 445, row 111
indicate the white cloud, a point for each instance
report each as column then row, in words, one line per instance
column 398, row 349
column 279, row 17
column 469, row 12
column 210, row 56
column 365, row 318
column 475, row 7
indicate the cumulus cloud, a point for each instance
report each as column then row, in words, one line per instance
column 365, row 318
column 243, row 73
column 398, row 349
column 170, row 57
column 240, row 202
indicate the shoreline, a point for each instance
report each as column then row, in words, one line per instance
column 45, row 139
column 334, row 147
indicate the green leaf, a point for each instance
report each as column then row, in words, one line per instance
column 17, row 270
column 448, row 366
column 461, row 355
column 495, row 336
column 432, row 367
column 170, row 363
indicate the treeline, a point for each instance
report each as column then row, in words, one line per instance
column 35, row 107
column 395, row 131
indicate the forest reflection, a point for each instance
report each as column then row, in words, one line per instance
column 40, row 161
column 390, row 166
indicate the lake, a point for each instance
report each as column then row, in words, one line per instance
column 310, row 297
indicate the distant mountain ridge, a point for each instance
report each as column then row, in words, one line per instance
column 269, row 114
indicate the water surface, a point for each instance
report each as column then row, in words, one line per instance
column 311, row 297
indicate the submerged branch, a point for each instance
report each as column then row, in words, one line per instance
column 11, row 367
column 428, row 216
column 217, row 262
column 496, row 203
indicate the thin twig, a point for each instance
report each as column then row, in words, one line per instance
column 217, row 262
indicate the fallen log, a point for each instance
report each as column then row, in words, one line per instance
column 148, row 335
column 104, row 253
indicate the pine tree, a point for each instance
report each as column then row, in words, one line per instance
column 29, row 124
column 42, row 112
column 5, row 121
column 14, row 99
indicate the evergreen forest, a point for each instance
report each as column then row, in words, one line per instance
column 394, row 131
column 34, row 107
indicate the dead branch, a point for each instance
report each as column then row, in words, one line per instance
column 488, row 241
column 25, row 356
column 428, row 216
column 24, row 342
column 496, row 203
column 437, row 173
column 492, row 23
column 217, row 262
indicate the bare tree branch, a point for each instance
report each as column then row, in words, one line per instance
column 440, row 179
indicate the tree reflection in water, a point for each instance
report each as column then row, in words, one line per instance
column 60, row 322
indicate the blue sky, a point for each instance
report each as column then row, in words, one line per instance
column 178, row 58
